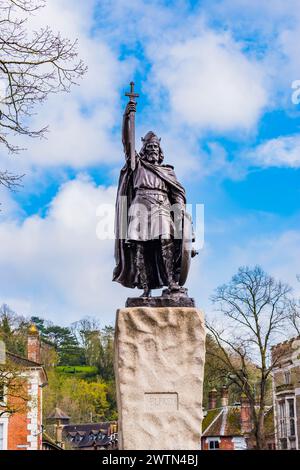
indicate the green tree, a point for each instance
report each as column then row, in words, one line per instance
column 83, row 401
column 40, row 323
column 13, row 330
column 87, row 332
column 69, row 351
column 97, row 344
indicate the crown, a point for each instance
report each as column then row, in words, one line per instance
column 150, row 136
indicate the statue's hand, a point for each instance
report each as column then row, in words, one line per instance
column 131, row 107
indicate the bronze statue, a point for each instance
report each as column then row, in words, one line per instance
column 152, row 246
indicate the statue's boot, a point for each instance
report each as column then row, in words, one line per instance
column 168, row 258
column 146, row 293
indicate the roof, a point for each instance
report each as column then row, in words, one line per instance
column 50, row 442
column 89, row 435
column 226, row 421
column 287, row 342
column 57, row 413
column 283, row 351
column 22, row 361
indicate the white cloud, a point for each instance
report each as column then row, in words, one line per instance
column 279, row 152
column 210, row 82
column 55, row 266
column 81, row 123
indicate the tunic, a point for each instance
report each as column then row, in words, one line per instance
column 150, row 211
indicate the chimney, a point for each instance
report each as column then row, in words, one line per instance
column 33, row 344
column 212, row 399
column 246, row 421
column 60, row 419
column 224, row 396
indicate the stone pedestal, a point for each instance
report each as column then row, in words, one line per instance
column 159, row 365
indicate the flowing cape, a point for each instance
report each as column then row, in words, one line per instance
column 125, row 270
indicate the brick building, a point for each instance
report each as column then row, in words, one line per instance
column 229, row 427
column 286, row 393
column 22, row 430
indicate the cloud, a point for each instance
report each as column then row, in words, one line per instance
column 81, row 123
column 211, row 84
column 280, row 152
column 197, row 79
column 271, row 31
column 56, row 266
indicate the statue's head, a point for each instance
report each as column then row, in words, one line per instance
column 151, row 150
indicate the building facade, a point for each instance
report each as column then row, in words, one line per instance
column 22, row 430
column 229, row 427
column 286, row 393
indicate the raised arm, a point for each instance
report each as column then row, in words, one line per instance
column 128, row 132
column 131, row 107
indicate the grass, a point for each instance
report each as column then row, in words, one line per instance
column 79, row 371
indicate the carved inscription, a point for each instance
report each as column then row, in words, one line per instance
column 161, row 401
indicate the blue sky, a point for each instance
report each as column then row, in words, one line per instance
column 215, row 82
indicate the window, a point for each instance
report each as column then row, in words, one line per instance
column 287, row 377
column 286, row 423
column 282, row 419
column 213, row 444
column 291, row 414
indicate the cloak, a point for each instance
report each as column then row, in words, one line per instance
column 125, row 270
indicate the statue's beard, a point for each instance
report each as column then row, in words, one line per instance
column 152, row 157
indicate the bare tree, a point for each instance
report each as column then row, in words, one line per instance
column 294, row 315
column 14, row 396
column 255, row 309
column 33, row 65
column 88, row 334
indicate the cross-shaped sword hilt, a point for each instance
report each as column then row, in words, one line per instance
column 131, row 94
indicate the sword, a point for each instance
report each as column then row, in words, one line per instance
column 132, row 97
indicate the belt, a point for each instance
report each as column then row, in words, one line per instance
column 151, row 191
